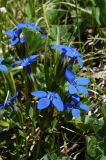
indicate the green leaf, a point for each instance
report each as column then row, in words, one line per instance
column 91, row 146
column 4, row 123
column 34, row 40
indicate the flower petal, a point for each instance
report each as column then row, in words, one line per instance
column 39, row 94
column 25, row 62
column 72, row 89
column 29, row 25
column 80, row 61
column 83, row 81
column 14, row 40
column 2, row 106
column 16, row 63
column 9, row 33
column 75, row 98
column 84, row 107
column 1, row 59
column 14, row 97
column 3, row 68
column 33, row 58
column 43, row 103
column 83, row 90
column 75, row 113
column 68, row 106
column 70, row 76
column 58, row 104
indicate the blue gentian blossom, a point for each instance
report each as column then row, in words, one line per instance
column 48, row 97
column 10, row 102
column 75, row 106
column 3, row 67
column 68, row 51
column 26, row 61
column 16, row 33
column 76, row 84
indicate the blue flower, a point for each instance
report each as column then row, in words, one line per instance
column 10, row 101
column 75, row 106
column 26, row 61
column 76, row 85
column 16, row 33
column 70, row 52
column 29, row 25
column 3, row 67
column 46, row 98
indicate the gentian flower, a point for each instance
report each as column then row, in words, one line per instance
column 48, row 97
column 76, row 85
column 10, row 102
column 16, row 33
column 69, row 52
column 26, row 62
column 75, row 106
column 3, row 67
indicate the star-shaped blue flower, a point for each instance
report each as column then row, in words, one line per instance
column 70, row 52
column 26, row 61
column 76, row 85
column 10, row 102
column 46, row 98
column 16, row 33
column 75, row 106
column 3, row 67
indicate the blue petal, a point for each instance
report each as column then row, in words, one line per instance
column 68, row 106
column 70, row 76
column 84, row 107
column 1, row 60
column 3, row 68
column 58, row 104
column 83, row 81
column 71, row 52
column 14, row 97
column 28, row 25
column 75, row 113
column 75, row 98
column 43, row 103
column 39, row 94
column 72, row 89
column 83, row 90
column 33, row 58
column 57, row 96
column 9, row 33
column 2, row 106
column 14, row 40
column 61, row 48
column 16, row 63
column 17, row 32
column 80, row 61
column 25, row 62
